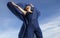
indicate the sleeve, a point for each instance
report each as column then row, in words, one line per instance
column 38, row 12
column 15, row 11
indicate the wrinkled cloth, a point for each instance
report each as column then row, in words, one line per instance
column 30, row 21
column 33, row 26
column 19, row 14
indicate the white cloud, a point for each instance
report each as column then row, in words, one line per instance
column 6, row 31
column 11, row 33
column 51, row 29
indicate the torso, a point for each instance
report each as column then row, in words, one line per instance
column 31, row 16
column 32, row 19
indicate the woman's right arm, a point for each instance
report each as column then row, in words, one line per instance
column 23, row 11
column 15, row 11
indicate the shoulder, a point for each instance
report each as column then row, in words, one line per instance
column 36, row 10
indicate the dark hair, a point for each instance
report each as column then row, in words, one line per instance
column 32, row 8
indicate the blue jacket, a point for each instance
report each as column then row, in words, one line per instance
column 19, row 14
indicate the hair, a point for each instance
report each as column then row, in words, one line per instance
column 32, row 8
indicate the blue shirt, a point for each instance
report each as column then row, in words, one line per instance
column 30, row 17
column 33, row 17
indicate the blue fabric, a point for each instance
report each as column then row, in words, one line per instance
column 27, row 29
column 33, row 26
column 18, row 13
column 15, row 11
column 34, row 15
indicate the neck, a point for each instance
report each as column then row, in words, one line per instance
column 30, row 11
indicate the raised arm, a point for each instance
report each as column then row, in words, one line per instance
column 15, row 11
column 23, row 11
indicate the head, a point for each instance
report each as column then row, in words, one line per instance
column 29, row 7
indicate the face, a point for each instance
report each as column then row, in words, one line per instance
column 28, row 8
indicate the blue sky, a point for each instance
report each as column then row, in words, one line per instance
column 49, row 19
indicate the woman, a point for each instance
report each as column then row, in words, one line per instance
column 31, row 21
